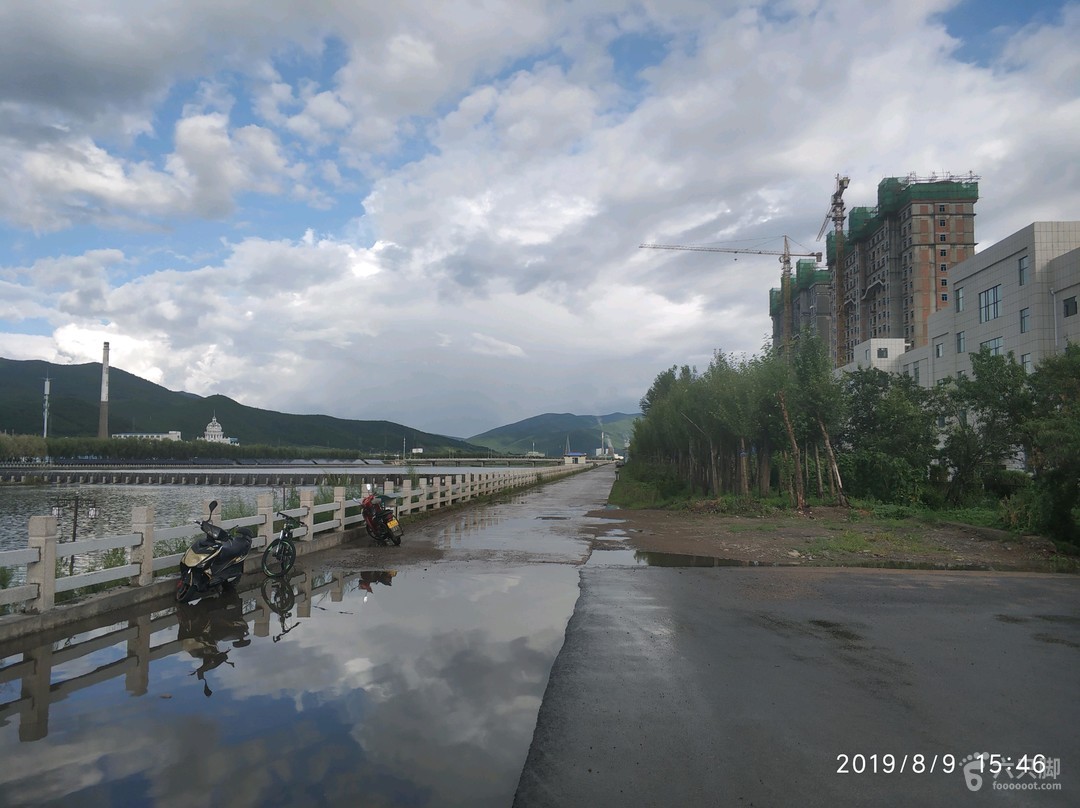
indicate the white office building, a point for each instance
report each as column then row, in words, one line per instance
column 1019, row 295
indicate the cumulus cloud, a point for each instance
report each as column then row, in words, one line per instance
column 456, row 193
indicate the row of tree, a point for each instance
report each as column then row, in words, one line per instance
column 787, row 422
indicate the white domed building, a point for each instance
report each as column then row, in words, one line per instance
column 215, row 433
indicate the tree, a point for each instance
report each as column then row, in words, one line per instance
column 889, row 435
column 985, row 421
column 1053, row 433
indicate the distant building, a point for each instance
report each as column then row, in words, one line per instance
column 215, row 433
column 172, row 435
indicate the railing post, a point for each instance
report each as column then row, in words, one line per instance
column 303, row 596
column 307, row 502
column 337, row 588
column 137, row 681
column 44, row 533
column 407, row 495
column 339, row 505
column 142, row 522
column 37, row 692
column 264, row 504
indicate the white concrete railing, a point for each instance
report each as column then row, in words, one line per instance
column 44, row 551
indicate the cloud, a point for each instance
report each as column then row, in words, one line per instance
column 454, row 194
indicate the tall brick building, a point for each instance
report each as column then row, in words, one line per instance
column 894, row 259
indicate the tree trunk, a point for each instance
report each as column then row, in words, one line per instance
column 841, row 497
column 744, row 469
column 817, row 468
column 800, row 495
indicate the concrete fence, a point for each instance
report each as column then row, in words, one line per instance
column 142, row 572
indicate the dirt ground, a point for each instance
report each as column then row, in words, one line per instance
column 830, row 537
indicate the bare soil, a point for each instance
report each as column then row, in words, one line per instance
column 829, row 537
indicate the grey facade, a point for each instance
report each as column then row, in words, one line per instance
column 1018, row 296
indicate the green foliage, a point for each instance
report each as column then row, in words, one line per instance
column 647, row 486
column 6, row 576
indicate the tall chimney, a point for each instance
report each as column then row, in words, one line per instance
column 103, row 413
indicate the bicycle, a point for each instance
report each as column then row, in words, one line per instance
column 279, row 596
column 280, row 554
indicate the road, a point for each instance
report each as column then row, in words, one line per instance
column 744, row 686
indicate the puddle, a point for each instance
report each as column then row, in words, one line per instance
column 397, row 685
column 645, row 558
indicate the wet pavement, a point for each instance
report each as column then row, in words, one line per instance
column 786, row 686
column 502, row 656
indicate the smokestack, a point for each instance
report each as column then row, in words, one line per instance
column 103, row 413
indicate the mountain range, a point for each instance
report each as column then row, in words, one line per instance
column 140, row 406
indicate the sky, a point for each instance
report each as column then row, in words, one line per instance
column 429, row 212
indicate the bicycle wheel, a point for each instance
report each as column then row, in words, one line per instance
column 278, row 558
column 279, row 596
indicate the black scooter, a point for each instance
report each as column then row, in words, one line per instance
column 213, row 561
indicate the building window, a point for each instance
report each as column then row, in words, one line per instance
column 1022, row 269
column 944, row 267
column 915, row 367
column 943, row 253
column 882, row 353
column 961, row 344
column 993, row 344
column 944, row 297
column 1025, row 362
column 944, row 281
column 867, row 354
column 940, row 208
column 1070, row 306
column 989, row 304
column 941, row 222
column 942, row 237
column 939, row 349
column 958, row 298
column 1025, row 320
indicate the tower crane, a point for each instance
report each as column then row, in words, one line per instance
column 836, row 216
column 785, row 274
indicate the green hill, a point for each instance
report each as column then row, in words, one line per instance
column 550, row 433
column 137, row 405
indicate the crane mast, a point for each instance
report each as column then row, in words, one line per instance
column 785, row 274
column 836, row 215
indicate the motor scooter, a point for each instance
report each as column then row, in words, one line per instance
column 381, row 521
column 213, row 561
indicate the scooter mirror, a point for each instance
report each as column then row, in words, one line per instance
column 367, row 487
column 213, row 506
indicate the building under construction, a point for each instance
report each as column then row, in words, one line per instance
column 893, row 261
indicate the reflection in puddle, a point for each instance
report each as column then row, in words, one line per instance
column 407, row 687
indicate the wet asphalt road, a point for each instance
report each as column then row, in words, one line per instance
column 747, row 686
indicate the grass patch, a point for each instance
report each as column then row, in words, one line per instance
column 847, row 542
